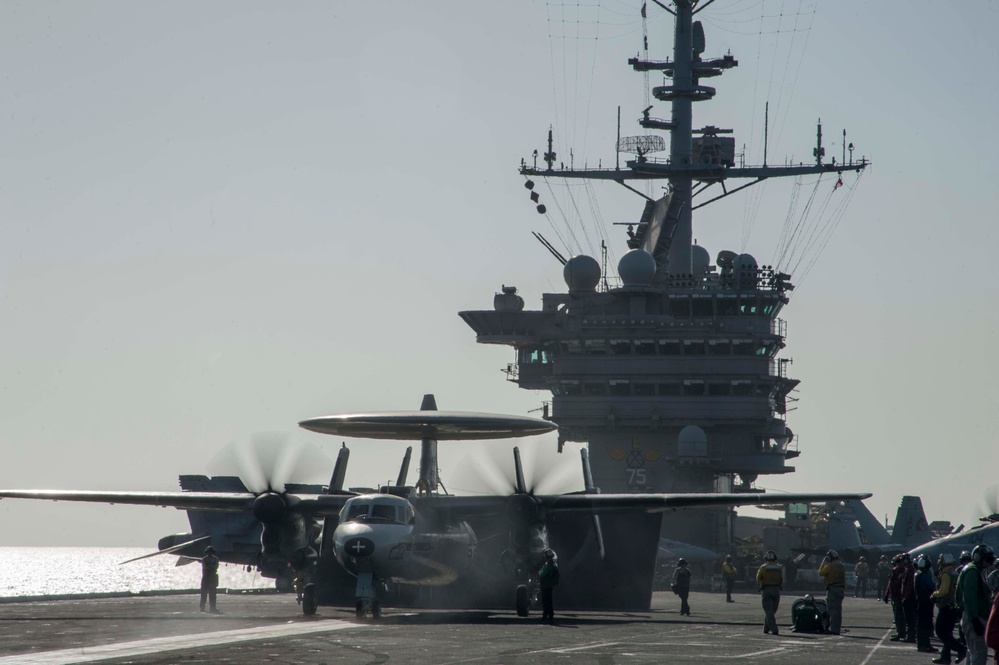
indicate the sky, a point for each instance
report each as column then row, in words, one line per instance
column 222, row 218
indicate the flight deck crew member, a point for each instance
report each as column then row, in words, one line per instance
column 947, row 615
column 863, row 571
column 924, row 604
column 209, row 578
column 729, row 573
column 680, row 584
column 909, row 598
column 771, row 579
column 833, row 573
column 548, row 580
column 884, row 574
column 894, row 593
column 973, row 599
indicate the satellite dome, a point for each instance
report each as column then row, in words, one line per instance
column 699, row 260
column 726, row 258
column 637, row 268
column 508, row 300
column 581, row 273
column 745, row 271
column 693, row 442
column 745, row 262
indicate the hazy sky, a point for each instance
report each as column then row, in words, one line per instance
column 221, row 218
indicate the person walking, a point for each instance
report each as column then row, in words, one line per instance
column 947, row 615
column 973, row 600
column 771, row 579
column 833, row 573
column 548, row 580
column 680, row 584
column 209, row 579
column 862, row 571
column 925, row 587
column 729, row 573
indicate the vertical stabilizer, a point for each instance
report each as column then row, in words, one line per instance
column 910, row 528
column 843, row 534
column 874, row 532
column 428, row 454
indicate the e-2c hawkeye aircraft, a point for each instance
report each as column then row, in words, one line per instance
column 407, row 544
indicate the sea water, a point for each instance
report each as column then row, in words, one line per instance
column 42, row 571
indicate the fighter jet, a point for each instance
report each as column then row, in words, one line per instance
column 463, row 550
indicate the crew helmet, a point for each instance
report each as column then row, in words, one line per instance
column 965, row 557
column 809, row 599
column 770, row 556
column 832, row 554
column 549, row 553
column 947, row 559
column 681, row 562
column 983, row 554
column 863, row 560
column 922, row 563
column 209, row 550
column 728, row 557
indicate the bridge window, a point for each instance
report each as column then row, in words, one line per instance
column 669, row 347
column 670, row 389
column 620, row 347
column 719, row 347
column 743, row 347
column 719, row 389
column 645, row 347
column 679, row 308
column 748, row 306
column 644, row 389
column 572, row 347
column 742, row 387
column 620, row 387
column 693, row 347
column 693, row 388
column 571, row 388
column 703, row 307
column 596, row 347
column 727, row 307
column 595, row 388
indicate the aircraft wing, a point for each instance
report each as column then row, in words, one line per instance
column 657, row 503
column 318, row 505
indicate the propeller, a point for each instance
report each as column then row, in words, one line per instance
column 492, row 469
column 269, row 461
column 991, row 505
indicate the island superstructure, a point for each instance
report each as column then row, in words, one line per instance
column 673, row 379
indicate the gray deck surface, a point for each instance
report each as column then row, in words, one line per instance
column 270, row 629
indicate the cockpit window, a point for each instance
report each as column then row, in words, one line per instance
column 378, row 512
column 355, row 512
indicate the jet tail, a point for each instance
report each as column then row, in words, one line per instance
column 911, row 529
column 874, row 532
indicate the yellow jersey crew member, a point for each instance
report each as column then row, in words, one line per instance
column 833, row 572
column 729, row 572
column 771, row 579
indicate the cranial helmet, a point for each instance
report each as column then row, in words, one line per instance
column 832, row 554
column 983, row 554
column 965, row 557
column 549, row 553
column 770, row 556
column 863, row 560
column 946, row 559
column 922, row 563
column 728, row 557
column 809, row 599
column 209, row 550
column 681, row 561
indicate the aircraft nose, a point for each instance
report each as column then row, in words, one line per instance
column 358, row 547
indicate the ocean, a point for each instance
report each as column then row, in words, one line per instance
column 42, row 571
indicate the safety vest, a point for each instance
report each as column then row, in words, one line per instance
column 770, row 574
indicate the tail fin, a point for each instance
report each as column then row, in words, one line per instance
column 428, row 455
column 874, row 532
column 339, row 470
column 911, row 529
column 842, row 532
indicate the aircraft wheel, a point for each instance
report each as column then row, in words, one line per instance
column 310, row 600
column 359, row 609
column 522, row 599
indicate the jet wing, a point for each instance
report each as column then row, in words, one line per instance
column 318, row 505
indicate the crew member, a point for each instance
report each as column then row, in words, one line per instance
column 680, row 584
column 862, row 570
column 771, row 579
column 973, row 600
column 884, row 574
column 894, row 593
column 833, row 573
column 548, row 580
column 909, row 598
column 947, row 615
column 209, row 579
column 729, row 573
column 924, row 587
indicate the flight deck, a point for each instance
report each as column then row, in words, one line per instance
column 269, row 628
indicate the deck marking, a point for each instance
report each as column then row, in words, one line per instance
column 93, row 654
column 876, row 646
column 755, row 653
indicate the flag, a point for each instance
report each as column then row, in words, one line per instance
column 839, row 183
column 644, row 15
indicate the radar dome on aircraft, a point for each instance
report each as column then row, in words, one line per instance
column 581, row 273
column 699, row 260
column 636, row 268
